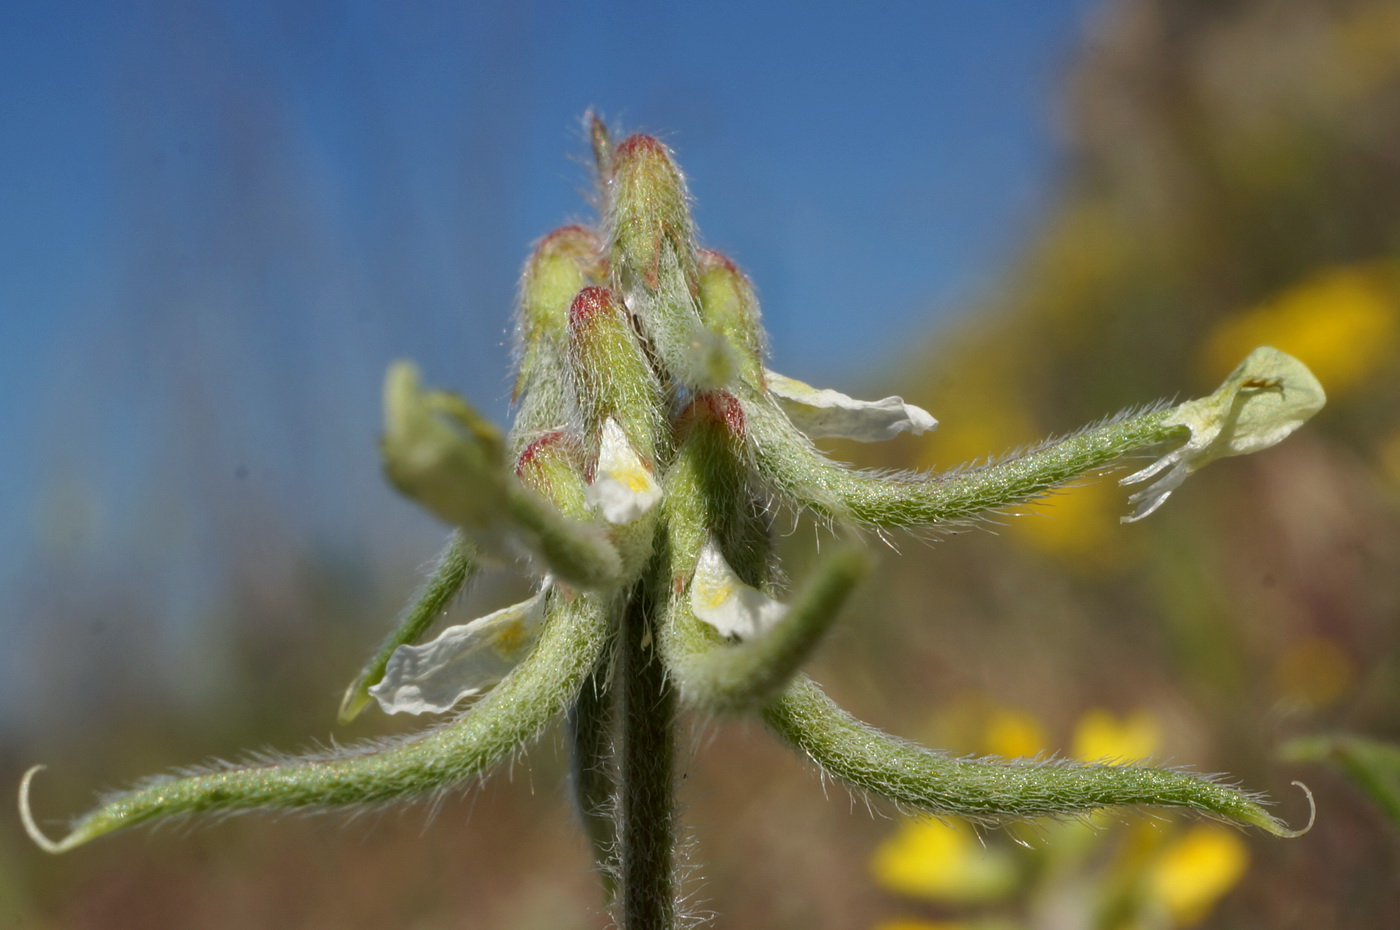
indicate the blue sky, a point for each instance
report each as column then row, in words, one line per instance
column 223, row 219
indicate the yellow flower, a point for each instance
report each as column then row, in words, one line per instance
column 1013, row 734
column 1196, row 871
column 1075, row 524
column 1101, row 737
column 940, row 861
column 1341, row 322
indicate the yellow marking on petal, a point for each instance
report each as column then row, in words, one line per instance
column 718, row 597
column 636, row 479
column 509, row 637
column 623, row 488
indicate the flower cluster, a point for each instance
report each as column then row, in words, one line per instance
column 650, row 452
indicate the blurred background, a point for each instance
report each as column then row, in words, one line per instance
column 223, row 220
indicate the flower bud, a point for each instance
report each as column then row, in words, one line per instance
column 563, row 263
column 611, row 374
column 650, row 214
column 728, row 306
column 719, row 412
column 549, row 466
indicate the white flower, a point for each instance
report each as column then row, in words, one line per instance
column 623, row 487
column 823, row 414
column 719, row 598
column 1263, row 400
column 464, row 660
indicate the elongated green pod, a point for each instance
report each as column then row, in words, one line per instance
column 454, row 569
column 802, row 475
column 1264, row 400
column 502, row 722
column 991, row 790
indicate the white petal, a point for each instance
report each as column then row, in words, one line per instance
column 719, row 598
column 825, row 414
column 1264, row 400
column 464, row 660
column 623, row 487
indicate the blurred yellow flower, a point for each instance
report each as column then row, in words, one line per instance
column 940, row 861
column 1013, row 734
column 1340, row 322
column 1196, row 870
column 1076, row 524
column 1102, row 737
column 975, row 428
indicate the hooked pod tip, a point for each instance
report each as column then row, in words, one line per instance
column 26, row 817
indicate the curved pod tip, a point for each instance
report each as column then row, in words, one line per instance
column 1312, row 816
column 26, row 817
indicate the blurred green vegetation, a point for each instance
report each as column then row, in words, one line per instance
column 1231, row 179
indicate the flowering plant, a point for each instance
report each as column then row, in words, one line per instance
column 650, row 451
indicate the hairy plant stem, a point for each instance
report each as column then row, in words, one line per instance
column 646, row 796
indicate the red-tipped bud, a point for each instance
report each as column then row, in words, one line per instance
column 563, row 262
column 728, row 306
column 589, row 303
column 716, row 408
column 550, row 467
column 609, row 368
column 650, row 213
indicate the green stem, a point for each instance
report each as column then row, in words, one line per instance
column 590, row 724
column 646, row 796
